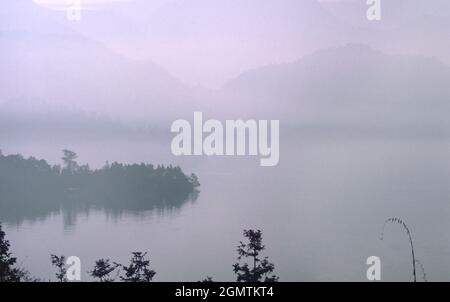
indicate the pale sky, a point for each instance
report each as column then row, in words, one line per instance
column 56, row 4
column 61, row 3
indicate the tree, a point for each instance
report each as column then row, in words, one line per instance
column 60, row 263
column 193, row 179
column 69, row 158
column 103, row 269
column 261, row 269
column 138, row 270
column 7, row 272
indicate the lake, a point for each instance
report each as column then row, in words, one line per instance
column 321, row 211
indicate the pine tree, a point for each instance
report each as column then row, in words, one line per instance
column 138, row 270
column 261, row 269
column 102, row 270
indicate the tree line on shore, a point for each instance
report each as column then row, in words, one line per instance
column 257, row 269
column 30, row 187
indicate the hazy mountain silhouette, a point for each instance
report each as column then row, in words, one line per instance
column 222, row 38
column 208, row 42
column 111, row 26
column 407, row 26
column 349, row 85
column 42, row 59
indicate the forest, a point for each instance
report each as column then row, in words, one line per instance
column 31, row 187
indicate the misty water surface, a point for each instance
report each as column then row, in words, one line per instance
column 321, row 211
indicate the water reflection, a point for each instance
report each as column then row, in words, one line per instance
column 17, row 216
column 116, row 213
column 32, row 190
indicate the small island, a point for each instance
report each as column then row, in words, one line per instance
column 31, row 188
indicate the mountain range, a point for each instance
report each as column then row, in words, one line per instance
column 42, row 59
column 47, row 62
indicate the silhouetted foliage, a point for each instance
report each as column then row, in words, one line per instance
column 193, row 179
column 8, row 271
column 138, row 270
column 60, row 263
column 400, row 222
column 261, row 269
column 103, row 269
column 32, row 188
column 422, row 269
column 69, row 157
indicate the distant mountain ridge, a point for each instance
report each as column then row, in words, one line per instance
column 221, row 38
column 44, row 60
column 352, row 84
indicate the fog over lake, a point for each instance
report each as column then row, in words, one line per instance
column 363, row 110
column 321, row 210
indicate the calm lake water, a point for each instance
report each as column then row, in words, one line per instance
column 321, row 211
